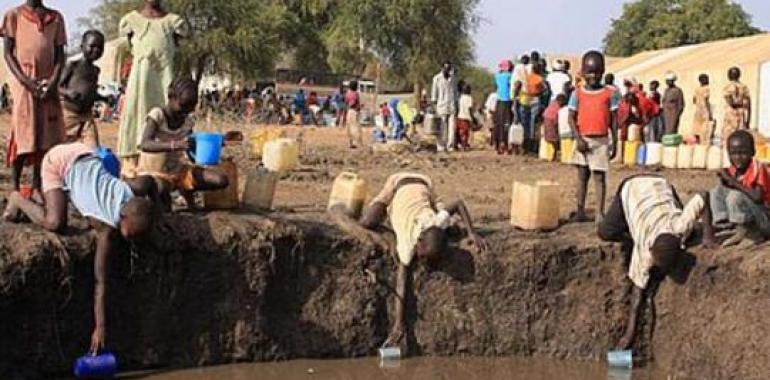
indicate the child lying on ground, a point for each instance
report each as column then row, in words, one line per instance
column 742, row 198
column 647, row 212
column 167, row 136
column 73, row 173
column 409, row 202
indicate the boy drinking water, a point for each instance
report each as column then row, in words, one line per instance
column 78, row 88
column 593, row 118
column 742, row 198
column 167, row 133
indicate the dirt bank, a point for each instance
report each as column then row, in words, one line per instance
column 223, row 288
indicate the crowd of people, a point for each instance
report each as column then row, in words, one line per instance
column 53, row 130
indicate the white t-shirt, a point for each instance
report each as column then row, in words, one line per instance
column 557, row 80
column 466, row 102
column 564, row 128
column 491, row 104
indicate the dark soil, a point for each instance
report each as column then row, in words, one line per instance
column 230, row 287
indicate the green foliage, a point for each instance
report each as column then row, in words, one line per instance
column 658, row 24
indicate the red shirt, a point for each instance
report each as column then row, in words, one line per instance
column 353, row 100
column 756, row 176
column 594, row 110
column 552, row 112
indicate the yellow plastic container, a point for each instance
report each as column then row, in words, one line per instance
column 714, row 161
column 349, row 191
column 281, row 155
column 630, row 150
column 546, row 150
column 684, row 158
column 700, row 156
column 261, row 137
column 535, row 206
column 761, row 152
column 567, row 145
column 259, row 192
column 670, row 155
column 226, row 198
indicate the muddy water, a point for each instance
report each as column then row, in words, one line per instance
column 417, row 369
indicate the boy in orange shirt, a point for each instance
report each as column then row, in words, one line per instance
column 742, row 198
column 593, row 119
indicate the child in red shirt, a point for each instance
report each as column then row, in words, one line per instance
column 551, row 123
column 593, row 119
column 743, row 196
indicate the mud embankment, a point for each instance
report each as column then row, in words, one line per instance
column 229, row 288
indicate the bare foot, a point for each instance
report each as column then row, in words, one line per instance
column 395, row 338
column 740, row 233
column 11, row 213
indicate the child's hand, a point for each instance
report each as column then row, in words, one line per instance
column 582, row 145
column 234, row 136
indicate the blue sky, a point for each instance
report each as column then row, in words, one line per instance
column 512, row 27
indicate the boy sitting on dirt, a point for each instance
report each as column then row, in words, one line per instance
column 167, row 136
column 743, row 196
column 419, row 221
column 647, row 212
column 593, row 119
column 78, row 87
column 72, row 173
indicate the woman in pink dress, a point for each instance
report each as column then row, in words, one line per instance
column 34, row 39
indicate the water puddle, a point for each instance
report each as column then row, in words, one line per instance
column 417, row 369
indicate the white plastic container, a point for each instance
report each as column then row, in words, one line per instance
column 654, row 154
column 516, row 134
column 670, row 154
column 714, row 161
column 685, row 157
column 281, row 155
column 700, row 156
column 535, row 206
column 634, row 133
column 260, row 189
column 349, row 192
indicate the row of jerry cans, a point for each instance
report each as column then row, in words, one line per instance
column 674, row 157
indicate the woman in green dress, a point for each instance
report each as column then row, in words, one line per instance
column 153, row 35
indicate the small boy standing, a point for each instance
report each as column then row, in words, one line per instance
column 465, row 118
column 593, row 119
column 742, row 198
column 551, row 123
column 78, row 88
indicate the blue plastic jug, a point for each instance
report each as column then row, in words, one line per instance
column 641, row 155
column 102, row 366
column 208, row 148
column 110, row 161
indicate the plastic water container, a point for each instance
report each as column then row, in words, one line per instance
column 684, row 159
column 208, row 148
column 700, row 155
column 630, row 150
column 672, row 140
column 546, row 150
column 281, row 155
column 260, row 189
column 390, row 353
column 349, row 192
column 654, row 154
column 516, row 134
column 110, row 161
column 261, row 137
column 670, row 155
column 567, row 147
column 641, row 155
column 621, row 359
column 535, row 206
column 226, row 198
column 714, row 161
column 432, row 125
column 102, row 366
column 634, row 133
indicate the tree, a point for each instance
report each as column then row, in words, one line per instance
column 239, row 37
column 658, row 24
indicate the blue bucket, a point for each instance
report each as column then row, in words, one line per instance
column 208, row 148
column 102, row 366
column 110, row 161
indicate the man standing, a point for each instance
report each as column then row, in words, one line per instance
column 673, row 105
column 738, row 99
column 444, row 99
column 559, row 80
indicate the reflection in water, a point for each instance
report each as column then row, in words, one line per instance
column 412, row 369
